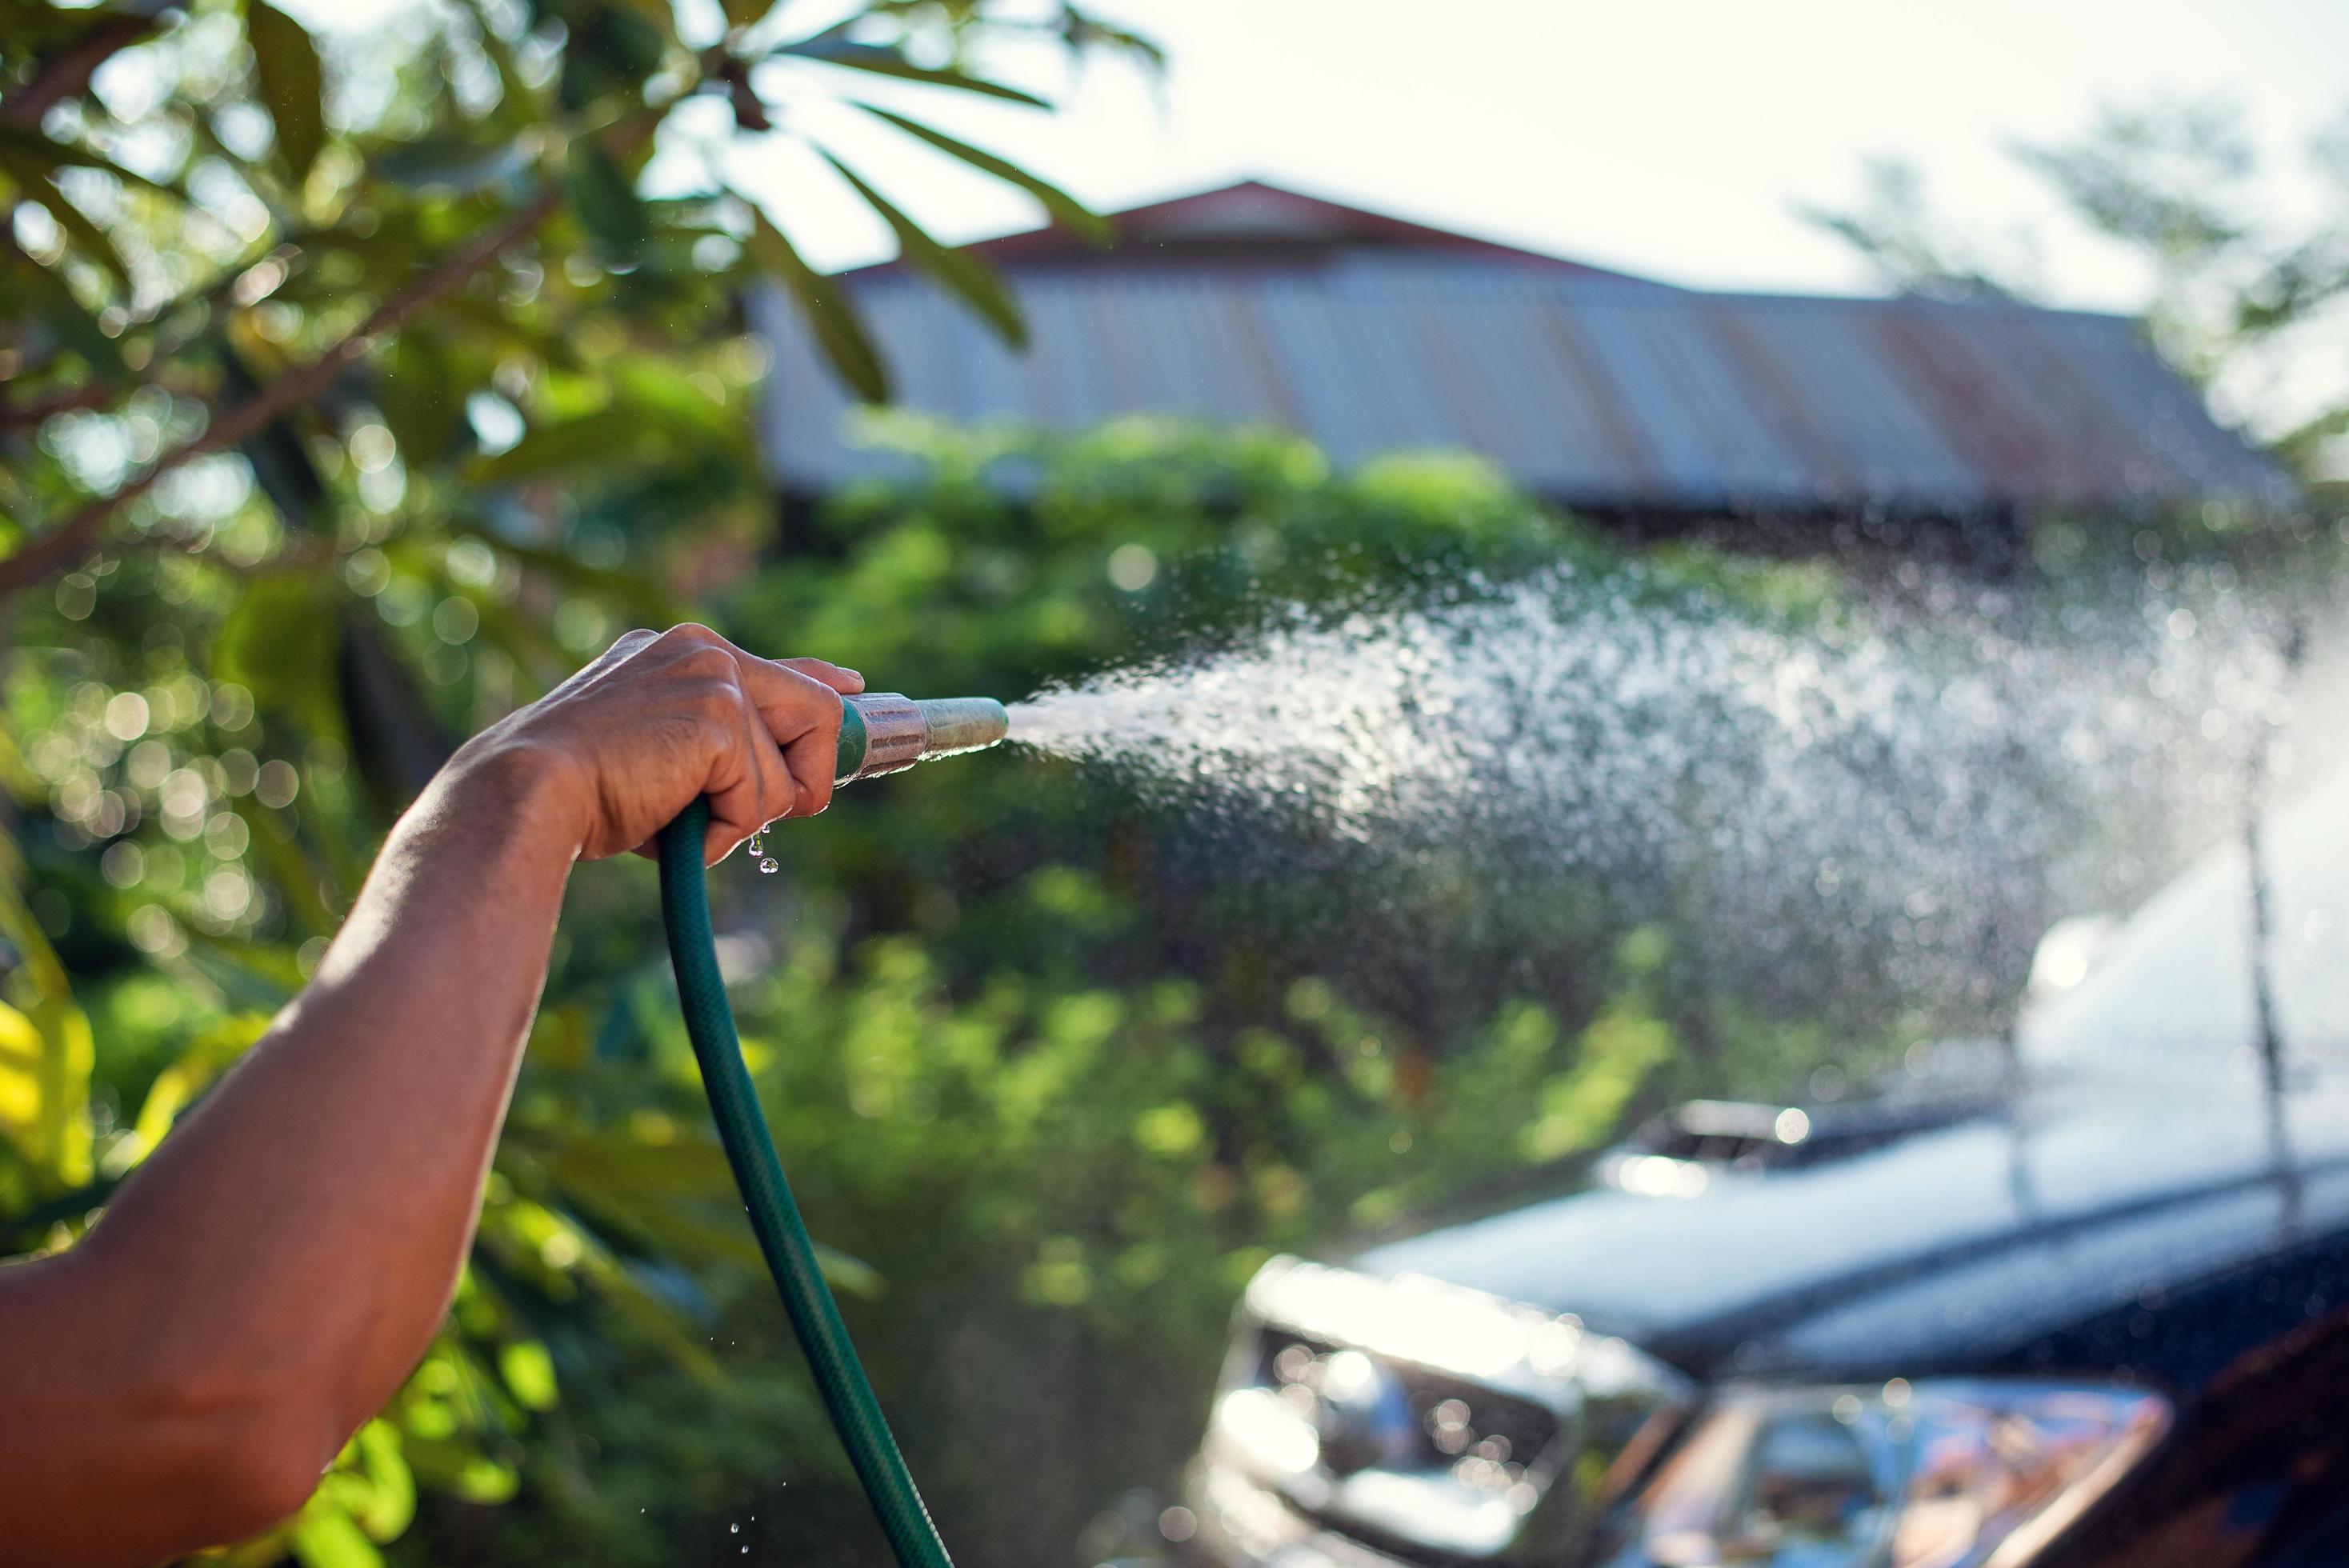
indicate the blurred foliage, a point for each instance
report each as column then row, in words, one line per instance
column 1058, row 1086
column 1052, row 1078
column 1061, row 1088
column 2241, row 302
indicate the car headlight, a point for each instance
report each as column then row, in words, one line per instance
column 1935, row 1475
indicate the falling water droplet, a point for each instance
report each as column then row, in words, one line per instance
column 757, row 847
column 769, row 866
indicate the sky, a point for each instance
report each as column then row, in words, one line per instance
column 1673, row 138
column 1664, row 137
column 1669, row 138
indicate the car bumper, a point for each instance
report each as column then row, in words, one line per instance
column 1242, row 1525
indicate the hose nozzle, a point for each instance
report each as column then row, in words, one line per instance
column 882, row 732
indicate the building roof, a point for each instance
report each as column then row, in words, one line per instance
column 1251, row 224
column 1587, row 388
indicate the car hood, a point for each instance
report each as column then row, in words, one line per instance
column 1984, row 1240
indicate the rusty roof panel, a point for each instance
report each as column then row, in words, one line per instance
column 1594, row 391
column 1885, row 447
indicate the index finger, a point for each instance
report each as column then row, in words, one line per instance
column 802, row 710
column 839, row 677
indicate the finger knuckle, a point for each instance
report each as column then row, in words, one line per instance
column 709, row 664
column 692, row 632
column 715, row 707
column 805, row 687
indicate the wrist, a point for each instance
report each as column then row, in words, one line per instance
column 531, row 793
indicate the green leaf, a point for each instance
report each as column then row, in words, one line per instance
column 614, row 46
column 45, row 29
column 653, row 1316
column 1082, row 30
column 453, row 164
column 529, row 1373
column 666, row 393
column 607, row 203
column 517, row 105
column 28, row 153
column 201, row 1061
column 283, row 643
column 491, row 328
column 372, row 1483
column 658, row 16
column 1071, row 213
column 326, row 1536
column 45, row 1065
column 959, row 271
column 29, row 290
column 825, row 307
column 825, row 48
column 844, row 1272
column 609, row 436
column 293, row 84
column 86, row 235
column 422, row 396
column 633, row 591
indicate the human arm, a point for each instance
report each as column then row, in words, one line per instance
column 269, row 1276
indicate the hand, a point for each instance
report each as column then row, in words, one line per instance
column 613, row 754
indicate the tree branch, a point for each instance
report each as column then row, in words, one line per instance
column 52, row 551
column 88, row 396
column 69, row 72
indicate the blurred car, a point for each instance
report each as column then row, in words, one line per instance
column 2090, row 1309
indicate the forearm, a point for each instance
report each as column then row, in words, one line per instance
column 271, row 1274
column 295, row 1239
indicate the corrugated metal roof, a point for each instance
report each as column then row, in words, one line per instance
column 1258, row 223
column 1591, row 391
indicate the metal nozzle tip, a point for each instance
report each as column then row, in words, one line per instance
column 962, row 723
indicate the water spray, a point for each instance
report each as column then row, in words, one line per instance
column 880, row 732
column 1885, row 795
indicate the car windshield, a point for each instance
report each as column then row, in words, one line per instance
column 2211, row 967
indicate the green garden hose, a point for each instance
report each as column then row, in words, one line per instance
column 878, row 734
